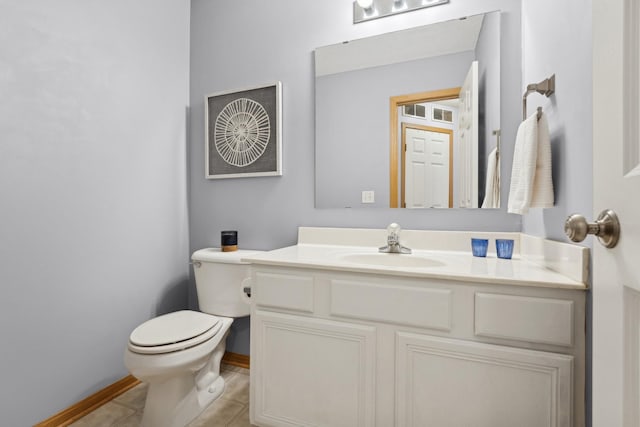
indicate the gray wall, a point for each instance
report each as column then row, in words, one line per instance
column 352, row 124
column 251, row 42
column 567, row 52
column 93, row 211
column 560, row 43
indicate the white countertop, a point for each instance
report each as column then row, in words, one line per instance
column 451, row 265
column 447, row 254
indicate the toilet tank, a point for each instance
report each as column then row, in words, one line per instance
column 219, row 277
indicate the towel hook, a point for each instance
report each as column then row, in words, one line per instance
column 497, row 133
column 547, row 87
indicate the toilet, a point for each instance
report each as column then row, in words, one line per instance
column 178, row 354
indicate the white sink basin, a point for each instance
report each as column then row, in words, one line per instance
column 391, row 260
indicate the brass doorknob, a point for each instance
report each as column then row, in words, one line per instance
column 606, row 227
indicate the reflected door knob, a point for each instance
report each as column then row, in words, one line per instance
column 606, row 227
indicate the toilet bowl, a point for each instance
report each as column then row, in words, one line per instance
column 178, row 354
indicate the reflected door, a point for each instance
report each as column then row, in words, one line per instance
column 427, row 167
column 468, row 139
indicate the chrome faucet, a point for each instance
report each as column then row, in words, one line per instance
column 393, row 241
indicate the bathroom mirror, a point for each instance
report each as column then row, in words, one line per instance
column 407, row 119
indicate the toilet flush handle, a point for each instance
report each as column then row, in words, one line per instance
column 196, row 264
column 246, row 287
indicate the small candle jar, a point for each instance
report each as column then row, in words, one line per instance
column 229, row 241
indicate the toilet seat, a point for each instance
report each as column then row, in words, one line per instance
column 174, row 332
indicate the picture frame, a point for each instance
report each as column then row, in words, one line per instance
column 243, row 132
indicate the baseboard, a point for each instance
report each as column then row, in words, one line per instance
column 90, row 404
column 235, row 359
column 96, row 400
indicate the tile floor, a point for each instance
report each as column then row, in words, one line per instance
column 229, row 410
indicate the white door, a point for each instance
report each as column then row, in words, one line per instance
column 468, row 139
column 616, row 186
column 426, row 168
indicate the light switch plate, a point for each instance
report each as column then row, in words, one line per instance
column 368, row 196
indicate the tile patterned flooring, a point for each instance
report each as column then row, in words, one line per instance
column 229, row 410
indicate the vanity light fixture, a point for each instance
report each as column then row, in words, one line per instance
column 366, row 10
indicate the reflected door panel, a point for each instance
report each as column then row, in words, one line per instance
column 468, row 139
column 427, row 167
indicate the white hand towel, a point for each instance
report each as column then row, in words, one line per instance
column 492, row 186
column 542, row 182
column 531, row 184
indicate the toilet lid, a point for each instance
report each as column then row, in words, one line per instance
column 173, row 332
column 216, row 255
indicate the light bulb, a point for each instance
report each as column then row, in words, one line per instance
column 365, row 4
column 399, row 5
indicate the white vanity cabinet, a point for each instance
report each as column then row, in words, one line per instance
column 339, row 348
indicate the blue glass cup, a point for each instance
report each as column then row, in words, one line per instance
column 504, row 248
column 479, row 247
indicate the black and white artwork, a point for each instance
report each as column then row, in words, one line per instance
column 243, row 132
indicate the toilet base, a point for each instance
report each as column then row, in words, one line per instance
column 160, row 412
column 181, row 384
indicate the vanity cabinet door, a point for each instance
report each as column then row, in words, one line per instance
column 311, row 372
column 445, row 382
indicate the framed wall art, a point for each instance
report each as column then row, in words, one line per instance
column 243, row 133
